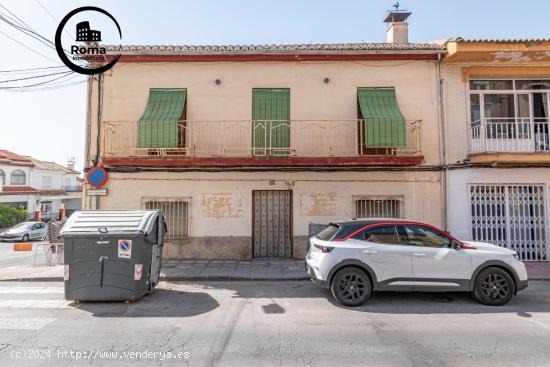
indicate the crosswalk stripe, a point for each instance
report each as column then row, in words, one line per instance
column 35, row 303
column 24, row 323
column 26, row 290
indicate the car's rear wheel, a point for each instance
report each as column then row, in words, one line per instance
column 25, row 238
column 494, row 287
column 351, row 286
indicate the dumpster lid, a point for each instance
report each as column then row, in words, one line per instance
column 110, row 221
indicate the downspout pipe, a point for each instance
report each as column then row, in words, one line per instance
column 442, row 143
column 98, row 137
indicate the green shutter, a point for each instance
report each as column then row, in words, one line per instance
column 384, row 124
column 158, row 126
column 271, row 125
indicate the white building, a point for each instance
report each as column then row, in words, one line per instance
column 497, row 147
column 38, row 185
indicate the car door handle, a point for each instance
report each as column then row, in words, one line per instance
column 370, row 252
column 419, row 254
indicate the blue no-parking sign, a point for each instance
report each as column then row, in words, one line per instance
column 96, row 177
column 125, row 249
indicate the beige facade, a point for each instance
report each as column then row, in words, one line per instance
column 218, row 218
column 127, row 85
column 220, row 204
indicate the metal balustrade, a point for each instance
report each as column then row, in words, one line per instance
column 509, row 135
column 265, row 138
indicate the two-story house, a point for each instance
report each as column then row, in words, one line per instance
column 497, row 145
column 38, row 185
column 245, row 147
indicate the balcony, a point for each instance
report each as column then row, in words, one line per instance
column 509, row 140
column 262, row 143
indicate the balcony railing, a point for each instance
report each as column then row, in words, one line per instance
column 295, row 138
column 509, row 135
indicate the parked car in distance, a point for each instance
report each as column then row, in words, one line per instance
column 24, row 231
column 354, row 258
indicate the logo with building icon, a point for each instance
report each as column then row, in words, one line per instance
column 85, row 34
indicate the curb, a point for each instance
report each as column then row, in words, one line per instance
column 44, row 279
column 173, row 279
column 218, row 278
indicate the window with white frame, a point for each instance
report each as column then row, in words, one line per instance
column 2, row 177
column 378, row 207
column 175, row 214
column 18, row 177
column 510, row 109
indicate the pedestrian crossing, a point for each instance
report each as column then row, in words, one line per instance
column 21, row 303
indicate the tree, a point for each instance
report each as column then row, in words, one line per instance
column 10, row 216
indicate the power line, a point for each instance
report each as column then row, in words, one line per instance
column 54, row 18
column 27, row 29
column 16, row 17
column 37, row 89
column 30, row 70
column 34, row 77
column 30, row 49
column 36, row 84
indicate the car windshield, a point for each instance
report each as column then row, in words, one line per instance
column 23, row 225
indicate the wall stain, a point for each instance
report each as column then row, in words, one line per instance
column 318, row 204
column 221, row 205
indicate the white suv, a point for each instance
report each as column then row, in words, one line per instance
column 354, row 258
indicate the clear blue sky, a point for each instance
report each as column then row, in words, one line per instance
column 50, row 124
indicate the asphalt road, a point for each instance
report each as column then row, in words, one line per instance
column 285, row 323
column 10, row 258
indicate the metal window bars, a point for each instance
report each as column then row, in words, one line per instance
column 512, row 216
column 378, row 208
column 176, row 216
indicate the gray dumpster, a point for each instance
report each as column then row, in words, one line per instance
column 112, row 255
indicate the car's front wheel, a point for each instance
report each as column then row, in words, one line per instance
column 494, row 287
column 25, row 238
column 351, row 286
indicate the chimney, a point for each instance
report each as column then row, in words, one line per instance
column 398, row 28
column 70, row 163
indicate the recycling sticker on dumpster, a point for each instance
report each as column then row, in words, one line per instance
column 125, row 249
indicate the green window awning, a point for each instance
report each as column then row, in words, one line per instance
column 271, row 121
column 384, row 125
column 158, row 126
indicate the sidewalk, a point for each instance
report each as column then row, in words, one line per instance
column 185, row 270
column 218, row 270
column 234, row 270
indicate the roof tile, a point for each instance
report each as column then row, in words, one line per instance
column 277, row 48
column 15, row 189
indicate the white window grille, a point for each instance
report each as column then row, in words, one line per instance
column 175, row 214
column 378, row 208
column 512, row 216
